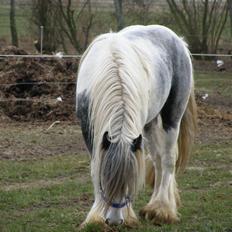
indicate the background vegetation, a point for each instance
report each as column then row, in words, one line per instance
column 70, row 25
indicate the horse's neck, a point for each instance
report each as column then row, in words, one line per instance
column 119, row 90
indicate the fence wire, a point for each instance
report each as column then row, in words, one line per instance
column 59, row 56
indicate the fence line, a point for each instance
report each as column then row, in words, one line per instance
column 48, row 100
column 40, row 83
column 212, row 55
column 60, row 56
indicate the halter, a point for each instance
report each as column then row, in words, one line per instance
column 113, row 204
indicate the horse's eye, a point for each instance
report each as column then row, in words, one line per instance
column 105, row 141
column 137, row 143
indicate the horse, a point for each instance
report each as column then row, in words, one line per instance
column 137, row 111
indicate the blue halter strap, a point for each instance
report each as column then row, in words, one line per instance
column 116, row 205
column 120, row 205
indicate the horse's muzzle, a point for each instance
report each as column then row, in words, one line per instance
column 111, row 222
column 114, row 216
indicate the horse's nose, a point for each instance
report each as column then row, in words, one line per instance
column 114, row 216
column 111, row 222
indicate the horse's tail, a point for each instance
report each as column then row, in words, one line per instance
column 187, row 132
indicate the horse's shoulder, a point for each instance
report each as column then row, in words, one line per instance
column 82, row 111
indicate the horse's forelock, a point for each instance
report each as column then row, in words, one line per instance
column 118, row 171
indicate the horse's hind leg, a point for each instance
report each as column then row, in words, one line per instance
column 162, row 207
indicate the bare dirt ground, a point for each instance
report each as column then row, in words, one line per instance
column 23, row 141
column 214, row 119
column 29, row 92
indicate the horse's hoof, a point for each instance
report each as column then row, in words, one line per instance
column 93, row 222
column 131, row 222
column 159, row 214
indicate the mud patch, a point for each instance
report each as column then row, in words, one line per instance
column 37, row 88
column 214, row 118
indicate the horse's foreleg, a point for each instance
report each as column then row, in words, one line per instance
column 130, row 217
column 162, row 207
column 96, row 213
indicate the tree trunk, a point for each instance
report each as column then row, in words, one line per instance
column 119, row 14
column 14, row 36
column 230, row 13
column 202, row 22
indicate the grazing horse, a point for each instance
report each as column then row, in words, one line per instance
column 136, row 106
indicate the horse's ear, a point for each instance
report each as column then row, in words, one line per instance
column 105, row 141
column 137, row 143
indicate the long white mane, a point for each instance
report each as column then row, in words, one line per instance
column 118, row 90
column 117, row 103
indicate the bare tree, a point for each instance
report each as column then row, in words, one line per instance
column 119, row 14
column 230, row 12
column 13, row 28
column 139, row 11
column 202, row 22
column 76, row 23
column 44, row 13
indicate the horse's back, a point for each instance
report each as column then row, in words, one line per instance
column 166, row 57
column 172, row 70
column 160, row 37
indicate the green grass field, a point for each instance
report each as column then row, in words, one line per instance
column 215, row 82
column 53, row 192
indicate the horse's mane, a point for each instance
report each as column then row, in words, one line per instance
column 118, row 96
column 118, row 99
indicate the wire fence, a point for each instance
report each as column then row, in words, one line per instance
column 56, row 99
column 60, row 56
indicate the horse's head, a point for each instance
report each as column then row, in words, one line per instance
column 119, row 175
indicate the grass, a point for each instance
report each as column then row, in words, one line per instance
column 40, row 194
column 29, row 204
column 215, row 82
column 53, row 192
column 52, row 167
